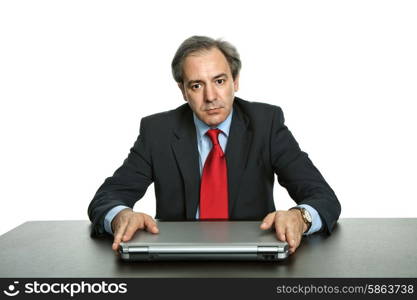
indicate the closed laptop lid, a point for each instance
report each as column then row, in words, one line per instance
column 234, row 240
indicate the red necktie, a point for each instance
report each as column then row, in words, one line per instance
column 214, row 202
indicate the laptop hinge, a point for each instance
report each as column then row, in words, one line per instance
column 268, row 252
column 134, row 252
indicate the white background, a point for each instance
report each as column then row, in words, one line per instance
column 76, row 77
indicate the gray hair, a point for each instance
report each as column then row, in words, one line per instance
column 200, row 43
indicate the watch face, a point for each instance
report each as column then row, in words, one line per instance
column 307, row 215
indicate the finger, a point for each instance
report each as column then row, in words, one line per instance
column 298, row 238
column 150, row 224
column 268, row 221
column 280, row 231
column 118, row 235
column 291, row 236
column 280, row 227
column 134, row 224
column 298, row 231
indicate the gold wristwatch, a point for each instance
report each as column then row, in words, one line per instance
column 305, row 215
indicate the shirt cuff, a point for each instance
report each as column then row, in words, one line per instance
column 316, row 222
column 110, row 216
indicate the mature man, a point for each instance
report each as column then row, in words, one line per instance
column 214, row 157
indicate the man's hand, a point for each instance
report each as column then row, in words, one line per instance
column 289, row 226
column 127, row 222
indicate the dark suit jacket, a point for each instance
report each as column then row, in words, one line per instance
column 259, row 146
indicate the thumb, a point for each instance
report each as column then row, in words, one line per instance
column 268, row 221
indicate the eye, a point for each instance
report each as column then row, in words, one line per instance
column 196, row 86
column 220, row 81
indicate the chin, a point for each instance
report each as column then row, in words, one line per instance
column 210, row 123
column 214, row 121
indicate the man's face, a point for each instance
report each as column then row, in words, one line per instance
column 208, row 85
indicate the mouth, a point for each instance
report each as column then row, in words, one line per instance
column 213, row 111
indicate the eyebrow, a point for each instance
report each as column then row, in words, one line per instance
column 199, row 80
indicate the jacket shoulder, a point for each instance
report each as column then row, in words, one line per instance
column 165, row 118
column 258, row 111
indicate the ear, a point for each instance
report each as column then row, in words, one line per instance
column 181, row 86
column 236, row 83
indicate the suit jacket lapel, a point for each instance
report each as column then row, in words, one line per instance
column 185, row 150
column 237, row 150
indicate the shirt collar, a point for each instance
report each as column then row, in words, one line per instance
column 203, row 127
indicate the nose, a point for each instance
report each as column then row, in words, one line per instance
column 210, row 93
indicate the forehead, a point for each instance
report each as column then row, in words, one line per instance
column 205, row 63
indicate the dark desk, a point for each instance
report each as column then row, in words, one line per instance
column 357, row 248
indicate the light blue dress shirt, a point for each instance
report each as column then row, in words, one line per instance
column 204, row 147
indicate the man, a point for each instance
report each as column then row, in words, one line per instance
column 214, row 157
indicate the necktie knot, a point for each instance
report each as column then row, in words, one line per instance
column 213, row 134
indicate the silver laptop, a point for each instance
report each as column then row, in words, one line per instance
column 205, row 240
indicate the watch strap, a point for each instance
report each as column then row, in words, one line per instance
column 303, row 215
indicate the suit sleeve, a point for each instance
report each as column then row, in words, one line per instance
column 299, row 176
column 127, row 185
